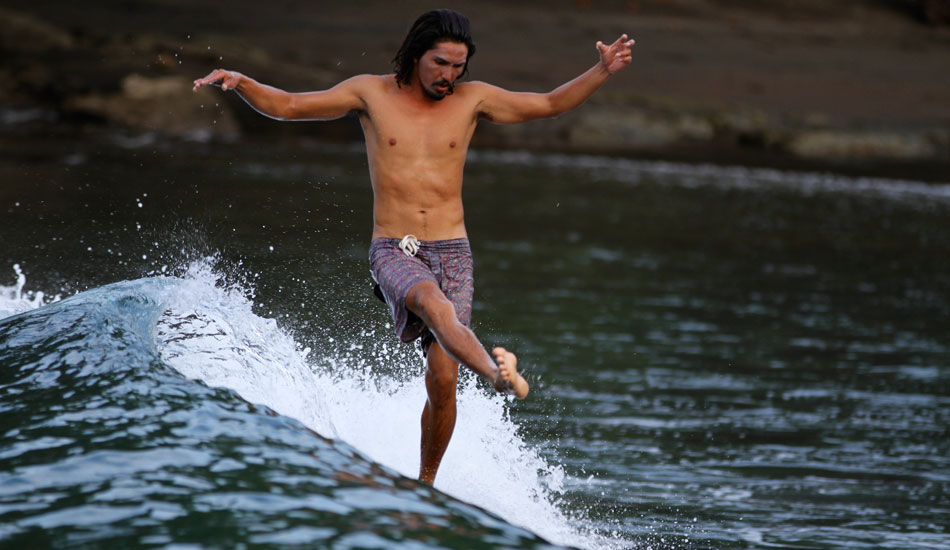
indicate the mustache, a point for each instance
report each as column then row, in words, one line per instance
column 447, row 84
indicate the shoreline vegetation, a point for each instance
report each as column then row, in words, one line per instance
column 857, row 86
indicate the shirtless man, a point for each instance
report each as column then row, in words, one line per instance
column 418, row 124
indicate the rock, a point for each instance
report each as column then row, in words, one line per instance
column 633, row 128
column 852, row 145
column 935, row 11
column 22, row 32
column 164, row 104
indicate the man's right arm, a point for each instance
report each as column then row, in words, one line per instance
column 505, row 107
column 275, row 103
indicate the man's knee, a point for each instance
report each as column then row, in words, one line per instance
column 441, row 370
column 429, row 302
column 444, row 379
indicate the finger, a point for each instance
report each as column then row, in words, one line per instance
column 624, row 49
column 211, row 77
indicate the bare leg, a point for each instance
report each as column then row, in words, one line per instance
column 455, row 343
column 428, row 302
column 438, row 416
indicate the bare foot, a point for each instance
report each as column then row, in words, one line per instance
column 509, row 380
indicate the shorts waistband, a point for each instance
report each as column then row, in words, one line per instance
column 447, row 244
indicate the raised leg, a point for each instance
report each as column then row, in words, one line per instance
column 455, row 344
column 428, row 302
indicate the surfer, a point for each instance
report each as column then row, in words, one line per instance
column 417, row 123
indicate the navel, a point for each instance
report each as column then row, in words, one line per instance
column 392, row 141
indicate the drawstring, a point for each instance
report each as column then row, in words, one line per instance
column 409, row 245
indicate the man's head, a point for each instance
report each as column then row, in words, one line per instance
column 438, row 38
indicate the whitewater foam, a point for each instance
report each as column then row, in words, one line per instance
column 13, row 299
column 210, row 333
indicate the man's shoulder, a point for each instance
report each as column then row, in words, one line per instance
column 474, row 86
column 474, row 89
column 370, row 80
column 475, row 93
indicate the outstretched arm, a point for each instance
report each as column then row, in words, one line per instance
column 507, row 107
column 275, row 103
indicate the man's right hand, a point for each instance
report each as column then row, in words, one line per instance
column 227, row 80
column 617, row 55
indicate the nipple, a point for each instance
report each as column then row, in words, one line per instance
column 392, row 141
column 452, row 144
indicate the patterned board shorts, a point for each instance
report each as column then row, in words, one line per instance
column 447, row 263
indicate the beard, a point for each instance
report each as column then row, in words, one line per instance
column 438, row 96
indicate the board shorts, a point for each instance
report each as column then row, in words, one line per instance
column 447, row 263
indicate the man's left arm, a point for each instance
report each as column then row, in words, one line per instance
column 505, row 107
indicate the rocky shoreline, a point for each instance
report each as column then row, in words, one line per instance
column 865, row 90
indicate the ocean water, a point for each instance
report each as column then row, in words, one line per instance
column 163, row 410
column 720, row 357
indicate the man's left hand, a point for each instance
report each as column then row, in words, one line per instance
column 617, row 55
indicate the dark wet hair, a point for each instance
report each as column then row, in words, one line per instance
column 431, row 27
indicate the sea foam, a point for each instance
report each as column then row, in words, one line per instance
column 210, row 332
column 14, row 299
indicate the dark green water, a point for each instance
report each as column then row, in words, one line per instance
column 720, row 358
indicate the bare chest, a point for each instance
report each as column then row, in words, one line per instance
column 431, row 130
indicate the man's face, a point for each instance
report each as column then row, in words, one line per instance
column 439, row 67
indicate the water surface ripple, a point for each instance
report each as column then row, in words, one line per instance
column 721, row 357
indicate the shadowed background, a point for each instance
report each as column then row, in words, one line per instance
column 723, row 354
column 854, row 85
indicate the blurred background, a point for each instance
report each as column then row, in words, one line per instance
column 849, row 85
column 727, row 276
